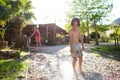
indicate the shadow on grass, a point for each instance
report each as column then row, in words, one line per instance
column 108, row 51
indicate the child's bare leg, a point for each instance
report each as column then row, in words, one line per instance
column 74, row 63
column 80, row 64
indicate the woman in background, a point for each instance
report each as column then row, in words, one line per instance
column 37, row 36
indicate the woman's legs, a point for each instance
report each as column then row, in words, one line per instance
column 38, row 41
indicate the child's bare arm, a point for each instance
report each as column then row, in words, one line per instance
column 81, row 40
column 71, row 42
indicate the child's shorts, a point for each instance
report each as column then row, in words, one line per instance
column 77, row 51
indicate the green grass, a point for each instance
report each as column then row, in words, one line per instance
column 11, row 68
column 109, row 50
column 93, row 40
column 111, row 41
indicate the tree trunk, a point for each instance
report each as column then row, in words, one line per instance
column 88, row 39
column 96, row 36
column 54, row 34
column 17, row 30
column 117, row 42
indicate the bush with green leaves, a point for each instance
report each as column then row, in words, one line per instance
column 92, row 35
column 10, row 69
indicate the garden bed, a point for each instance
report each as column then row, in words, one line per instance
column 9, row 53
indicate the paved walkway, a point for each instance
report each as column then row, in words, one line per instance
column 55, row 63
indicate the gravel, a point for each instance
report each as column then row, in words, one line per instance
column 55, row 63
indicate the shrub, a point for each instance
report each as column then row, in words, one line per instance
column 92, row 35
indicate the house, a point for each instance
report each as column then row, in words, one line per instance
column 51, row 33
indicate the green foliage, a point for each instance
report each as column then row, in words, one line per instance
column 16, row 54
column 116, row 33
column 83, row 28
column 59, row 35
column 9, row 69
column 90, row 9
column 11, row 9
column 25, row 11
column 2, row 33
column 109, row 50
column 105, row 37
column 92, row 35
column 8, row 10
column 101, row 28
column 67, row 27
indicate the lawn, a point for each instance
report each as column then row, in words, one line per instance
column 109, row 50
column 10, row 69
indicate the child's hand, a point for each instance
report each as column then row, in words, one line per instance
column 82, row 48
column 71, row 50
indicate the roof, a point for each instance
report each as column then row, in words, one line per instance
column 58, row 29
column 116, row 22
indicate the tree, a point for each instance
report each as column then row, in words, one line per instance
column 90, row 10
column 92, row 35
column 15, row 13
column 101, row 29
column 67, row 27
column 21, row 19
column 8, row 10
column 116, row 35
column 2, row 34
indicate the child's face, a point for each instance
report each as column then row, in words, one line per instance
column 75, row 24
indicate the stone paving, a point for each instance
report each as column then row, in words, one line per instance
column 55, row 63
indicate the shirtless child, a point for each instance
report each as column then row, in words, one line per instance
column 76, row 47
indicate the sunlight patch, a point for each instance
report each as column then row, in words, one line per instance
column 95, row 54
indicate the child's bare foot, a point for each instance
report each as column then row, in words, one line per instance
column 81, row 72
column 74, row 71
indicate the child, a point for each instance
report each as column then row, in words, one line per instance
column 76, row 47
column 36, row 33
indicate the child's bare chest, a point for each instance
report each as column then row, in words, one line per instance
column 76, row 34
